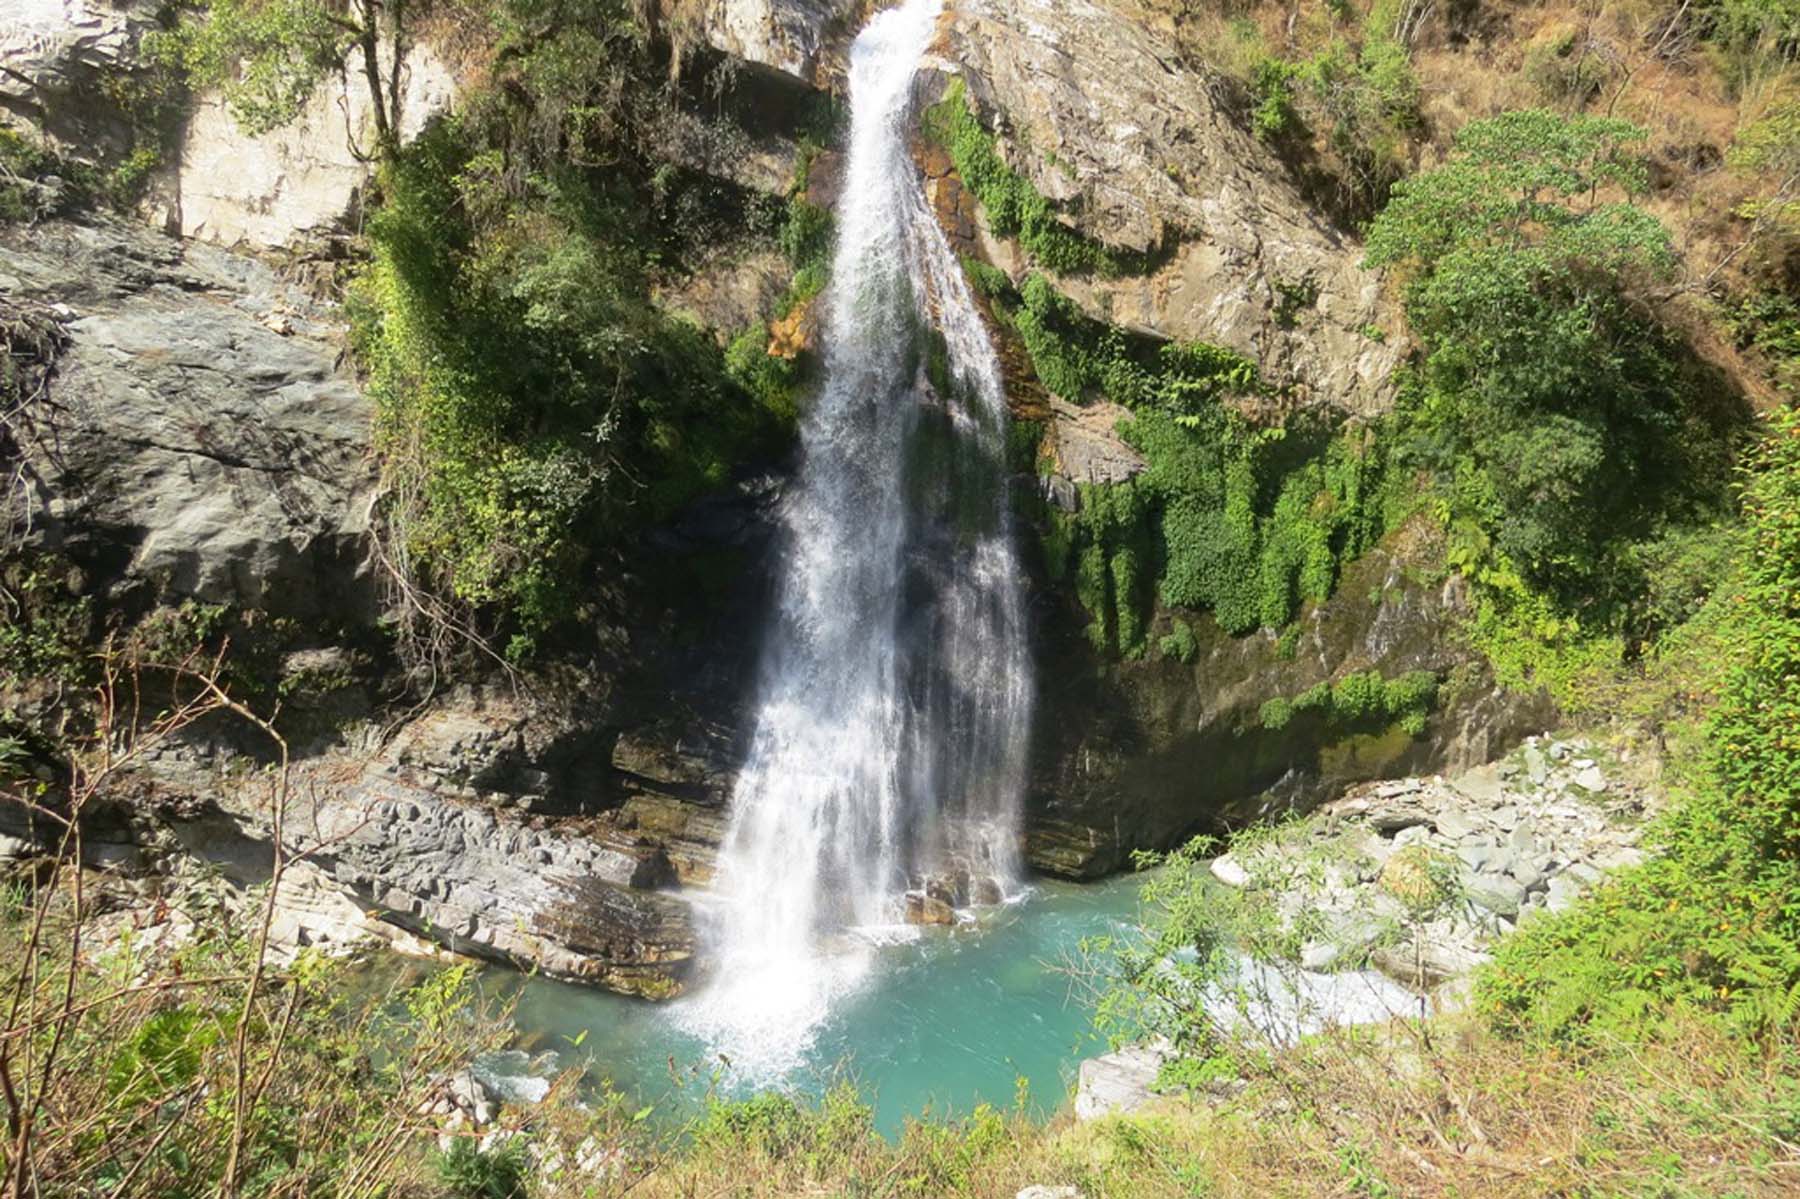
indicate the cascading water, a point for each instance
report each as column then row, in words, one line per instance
column 890, row 741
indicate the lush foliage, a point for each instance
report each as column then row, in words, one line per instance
column 533, row 403
column 1245, row 520
column 1360, row 700
column 266, row 56
column 1712, row 921
column 1568, row 430
column 1356, row 98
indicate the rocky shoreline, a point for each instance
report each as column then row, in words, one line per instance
column 1419, row 877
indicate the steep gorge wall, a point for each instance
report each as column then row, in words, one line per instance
column 216, row 450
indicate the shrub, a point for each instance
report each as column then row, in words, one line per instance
column 1548, row 400
column 533, row 404
column 1179, row 642
column 1360, row 701
column 1708, row 924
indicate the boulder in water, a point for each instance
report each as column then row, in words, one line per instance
column 922, row 908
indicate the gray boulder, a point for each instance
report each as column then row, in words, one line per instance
column 1139, row 152
column 1117, row 1082
column 200, row 439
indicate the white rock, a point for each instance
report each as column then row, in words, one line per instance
column 1319, row 956
column 1563, row 893
column 1229, row 871
column 1044, row 1192
column 1118, row 1081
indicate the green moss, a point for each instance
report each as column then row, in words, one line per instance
column 1248, row 522
column 985, row 279
column 1058, row 542
column 1014, row 207
column 1359, row 702
column 1128, row 596
column 1024, row 445
column 1179, row 642
column 1092, row 588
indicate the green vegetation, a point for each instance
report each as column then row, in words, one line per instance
column 1358, row 701
column 1179, row 642
column 1568, row 431
column 269, row 56
column 1014, row 207
column 25, row 164
column 1245, row 520
column 1345, row 116
column 1709, row 924
column 533, row 404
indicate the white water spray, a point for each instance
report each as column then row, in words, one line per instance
column 889, row 746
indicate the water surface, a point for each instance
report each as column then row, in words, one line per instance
column 953, row 1018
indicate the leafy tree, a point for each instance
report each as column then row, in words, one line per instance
column 269, row 56
column 1552, row 396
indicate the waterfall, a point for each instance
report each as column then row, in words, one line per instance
column 889, row 743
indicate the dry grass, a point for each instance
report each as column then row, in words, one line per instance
column 1448, row 1109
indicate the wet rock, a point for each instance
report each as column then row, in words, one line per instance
column 928, row 909
column 1073, row 849
column 790, row 36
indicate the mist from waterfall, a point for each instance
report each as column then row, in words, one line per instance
column 889, row 745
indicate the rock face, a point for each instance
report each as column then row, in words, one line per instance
column 1145, row 753
column 199, row 438
column 1093, row 109
column 436, row 835
column 266, row 190
column 55, row 56
column 484, row 883
column 791, row 36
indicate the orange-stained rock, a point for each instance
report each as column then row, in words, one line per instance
column 793, row 333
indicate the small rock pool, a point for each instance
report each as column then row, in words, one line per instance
column 944, row 1021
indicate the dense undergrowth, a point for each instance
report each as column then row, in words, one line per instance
column 534, row 404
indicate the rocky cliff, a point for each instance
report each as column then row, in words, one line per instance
column 202, row 440
column 1139, row 152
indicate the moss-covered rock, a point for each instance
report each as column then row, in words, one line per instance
column 1141, row 753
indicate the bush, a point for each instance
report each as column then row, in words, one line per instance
column 470, row 1172
column 1564, row 425
column 533, row 404
column 1179, row 643
column 1358, row 702
column 1708, row 924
